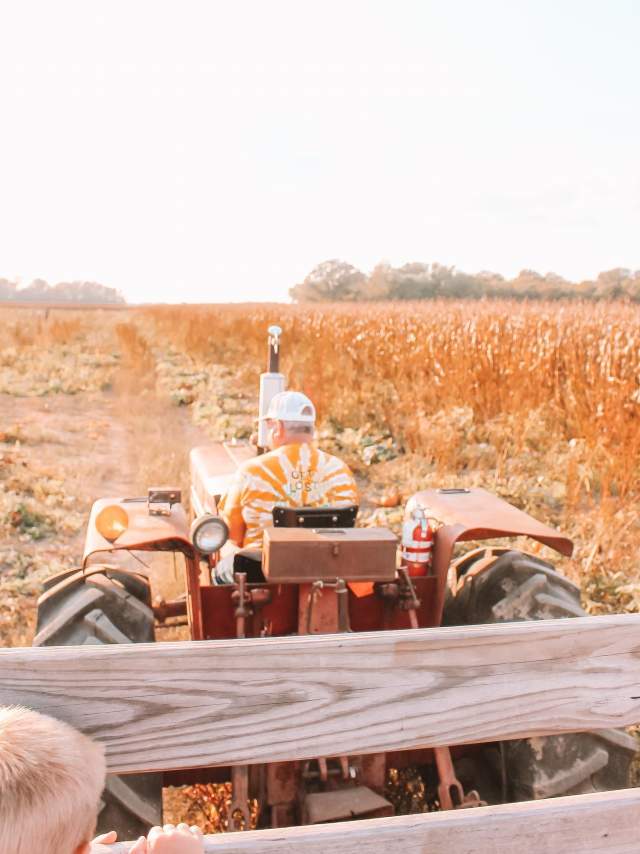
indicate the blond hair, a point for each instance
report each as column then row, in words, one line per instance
column 51, row 778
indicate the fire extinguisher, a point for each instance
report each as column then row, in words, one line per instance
column 417, row 542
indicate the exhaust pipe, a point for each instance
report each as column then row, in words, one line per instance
column 272, row 382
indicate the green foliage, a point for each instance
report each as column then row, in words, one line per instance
column 29, row 522
column 331, row 281
column 337, row 281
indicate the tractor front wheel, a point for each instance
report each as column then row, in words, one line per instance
column 499, row 586
column 106, row 606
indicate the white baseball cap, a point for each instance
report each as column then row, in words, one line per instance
column 291, row 406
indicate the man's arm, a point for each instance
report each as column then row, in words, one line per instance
column 237, row 528
column 230, row 509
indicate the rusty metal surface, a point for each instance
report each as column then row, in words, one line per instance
column 166, row 609
column 243, row 604
column 240, row 808
column 372, row 771
column 145, row 532
column 347, row 803
column 281, row 609
column 213, row 466
column 376, row 612
column 308, row 554
column 194, row 599
column 283, row 782
column 317, row 610
column 274, row 611
column 476, row 514
column 450, row 791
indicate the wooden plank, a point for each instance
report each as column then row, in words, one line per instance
column 602, row 823
column 182, row 705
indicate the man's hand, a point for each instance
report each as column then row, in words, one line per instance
column 170, row 840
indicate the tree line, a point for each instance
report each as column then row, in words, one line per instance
column 338, row 281
column 41, row 291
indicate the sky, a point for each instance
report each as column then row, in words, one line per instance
column 217, row 150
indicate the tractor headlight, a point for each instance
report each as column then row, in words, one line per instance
column 209, row 534
column 111, row 522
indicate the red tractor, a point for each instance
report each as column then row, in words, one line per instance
column 319, row 573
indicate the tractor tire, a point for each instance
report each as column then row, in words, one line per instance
column 499, row 586
column 109, row 606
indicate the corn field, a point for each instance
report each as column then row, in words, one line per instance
column 537, row 402
column 577, row 367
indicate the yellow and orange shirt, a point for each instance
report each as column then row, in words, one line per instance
column 298, row 475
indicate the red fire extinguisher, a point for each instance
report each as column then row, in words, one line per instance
column 417, row 542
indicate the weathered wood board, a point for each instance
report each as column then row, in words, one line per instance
column 167, row 706
column 603, row 823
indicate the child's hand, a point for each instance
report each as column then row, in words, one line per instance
column 171, row 840
column 106, row 838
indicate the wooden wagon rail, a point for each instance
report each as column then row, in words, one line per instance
column 171, row 706
column 606, row 823
column 181, row 705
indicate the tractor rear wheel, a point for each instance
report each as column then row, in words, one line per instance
column 499, row 586
column 106, row 606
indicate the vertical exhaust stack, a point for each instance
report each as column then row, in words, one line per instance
column 271, row 383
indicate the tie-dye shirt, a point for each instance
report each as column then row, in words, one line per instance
column 298, row 475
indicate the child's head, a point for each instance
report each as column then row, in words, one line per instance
column 51, row 778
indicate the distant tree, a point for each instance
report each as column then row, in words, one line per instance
column 37, row 291
column 489, row 276
column 613, row 284
column 415, row 268
column 526, row 280
column 413, row 281
column 91, row 292
column 464, row 286
column 40, row 291
column 331, row 281
column 379, row 285
column 336, row 280
column 586, row 289
column 7, row 289
column 632, row 286
column 555, row 279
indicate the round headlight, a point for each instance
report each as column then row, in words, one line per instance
column 112, row 521
column 209, row 534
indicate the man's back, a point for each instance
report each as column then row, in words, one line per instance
column 293, row 475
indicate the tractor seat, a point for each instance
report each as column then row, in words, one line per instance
column 315, row 517
column 249, row 561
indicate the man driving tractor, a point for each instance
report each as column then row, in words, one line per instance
column 295, row 473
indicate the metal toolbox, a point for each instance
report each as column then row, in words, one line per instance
column 301, row 555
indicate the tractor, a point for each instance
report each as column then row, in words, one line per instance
column 318, row 572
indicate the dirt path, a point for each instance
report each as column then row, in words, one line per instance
column 57, row 455
column 80, row 438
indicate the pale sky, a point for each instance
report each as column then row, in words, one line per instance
column 217, row 150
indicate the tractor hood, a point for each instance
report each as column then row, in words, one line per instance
column 144, row 532
column 474, row 514
column 212, row 470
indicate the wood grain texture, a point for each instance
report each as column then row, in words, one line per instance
column 165, row 706
column 603, row 823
